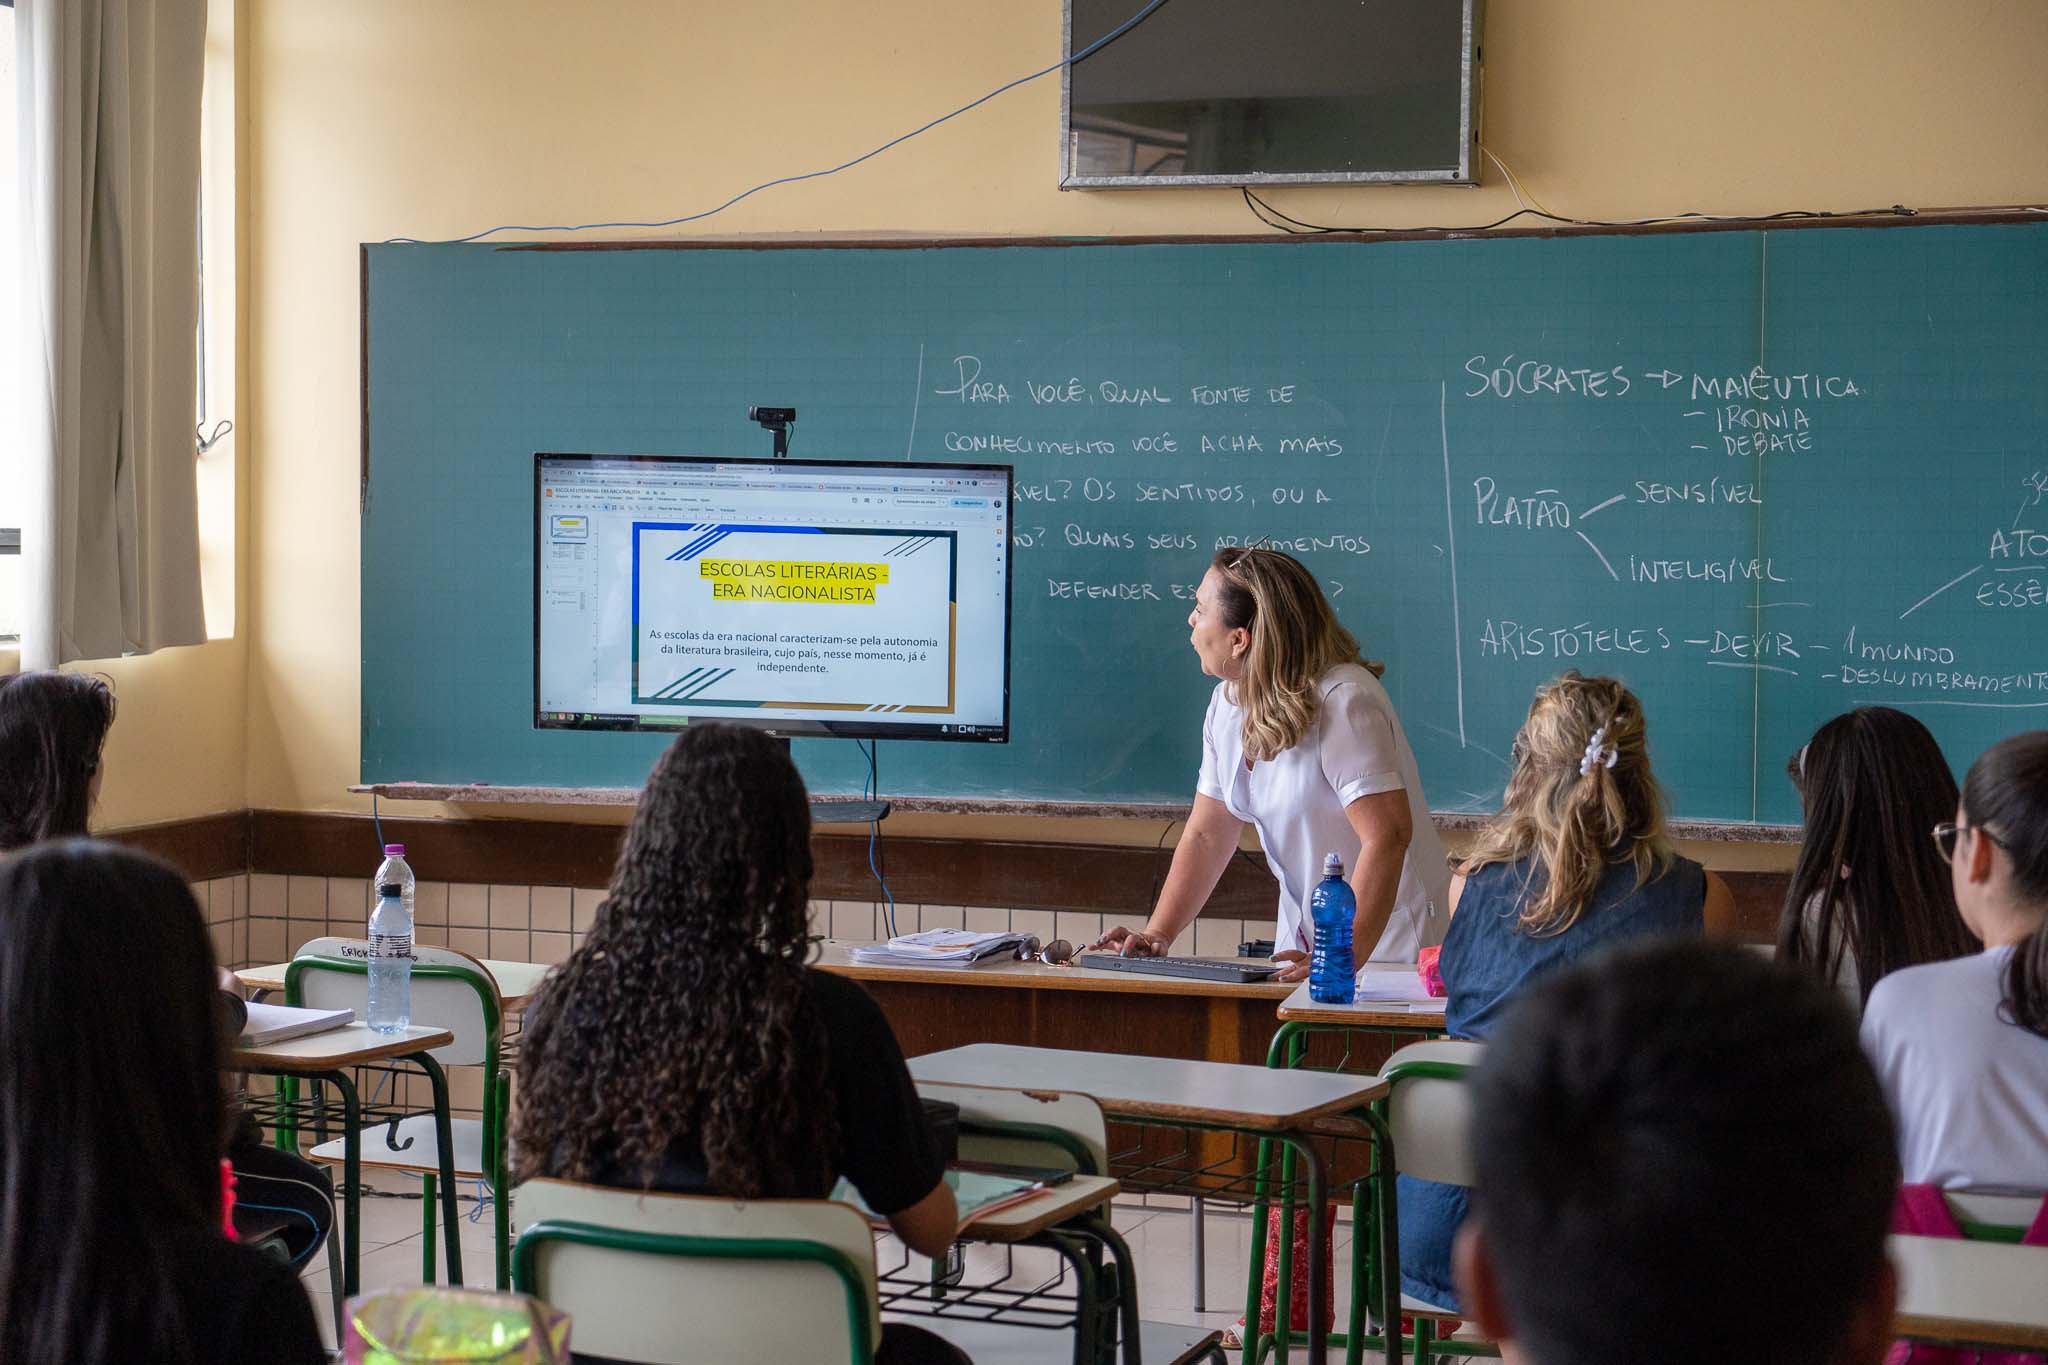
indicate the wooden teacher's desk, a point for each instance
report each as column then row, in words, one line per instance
column 1031, row 1004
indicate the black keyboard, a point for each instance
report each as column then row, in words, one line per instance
column 1199, row 968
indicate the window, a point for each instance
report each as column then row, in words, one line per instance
column 214, row 395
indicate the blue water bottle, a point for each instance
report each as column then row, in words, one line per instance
column 390, row 961
column 1331, row 907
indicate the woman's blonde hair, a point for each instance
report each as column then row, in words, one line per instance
column 1581, row 797
column 1296, row 638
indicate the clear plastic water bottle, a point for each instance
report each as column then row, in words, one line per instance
column 394, row 868
column 390, row 960
column 1331, row 907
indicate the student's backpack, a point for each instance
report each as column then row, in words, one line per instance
column 1922, row 1211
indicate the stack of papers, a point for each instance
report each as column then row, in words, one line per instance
column 1385, row 985
column 938, row 948
column 269, row 1024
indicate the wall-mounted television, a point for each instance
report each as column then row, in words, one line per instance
column 803, row 597
column 1263, row 92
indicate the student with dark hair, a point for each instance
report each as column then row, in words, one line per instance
column 53, row 731
column 111, row 1120
column 1962, row 1046
column 747, row 1073
column 1668, row 1141
column 1870, row 894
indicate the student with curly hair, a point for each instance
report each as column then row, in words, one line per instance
column 687, row 1047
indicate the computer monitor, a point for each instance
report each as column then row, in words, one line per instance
column 805, row 597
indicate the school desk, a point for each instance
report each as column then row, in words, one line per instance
column 1288, row 1107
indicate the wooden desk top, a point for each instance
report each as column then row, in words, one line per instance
column 1373, row 1014
column 517, row 981
column 836, row 956
column 1983, row 1293
column 1034, row 1215
column 1224, row 1094
column 337, row 1049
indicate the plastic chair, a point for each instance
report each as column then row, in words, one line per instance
column 450, row 990
column 1028, row 1127
column 672, row 1279
column 1050, row 1128
column 1429, row 1111
column 1993, row 1217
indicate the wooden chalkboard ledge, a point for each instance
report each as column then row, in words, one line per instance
column 478, row 794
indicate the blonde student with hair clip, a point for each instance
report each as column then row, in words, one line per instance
column 1576, row 860
column 1302, row 742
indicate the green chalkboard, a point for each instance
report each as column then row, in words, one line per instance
column 1763, row 476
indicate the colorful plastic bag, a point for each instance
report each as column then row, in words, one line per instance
column 427, row 1325
column 1432, row 975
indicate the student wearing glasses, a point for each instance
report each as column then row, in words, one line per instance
column 1962, row 1046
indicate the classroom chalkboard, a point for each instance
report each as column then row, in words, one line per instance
column 1763, row 476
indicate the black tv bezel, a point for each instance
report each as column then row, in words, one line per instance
column 785, row 728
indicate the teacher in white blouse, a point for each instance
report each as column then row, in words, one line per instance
column 1301, row 741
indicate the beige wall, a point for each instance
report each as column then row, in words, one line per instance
column 381, row 118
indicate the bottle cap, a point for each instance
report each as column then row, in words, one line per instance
column 394, row 850
column 1333, row 865
column 391, row 889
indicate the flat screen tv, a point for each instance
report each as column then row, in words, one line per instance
column 804, row 597
column 1252, row 92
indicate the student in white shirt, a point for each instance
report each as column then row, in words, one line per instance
column 1302, row 742
column 1962, row 1046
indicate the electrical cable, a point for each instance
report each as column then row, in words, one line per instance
column 1285, row 222
column 1152, row 897
column 1119, row 31
column 296, row 1213
column 871, row 790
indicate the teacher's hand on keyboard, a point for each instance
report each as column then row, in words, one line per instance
column 1297, row 965
column 1132, row 943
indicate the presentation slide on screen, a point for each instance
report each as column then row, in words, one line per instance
column 672, row 589
column 779, row 616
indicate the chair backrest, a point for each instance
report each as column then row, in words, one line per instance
column 1994, row 1217
column 1027, row 1127
column 667, row 1279
column 450, row 990
column 1429, row 1109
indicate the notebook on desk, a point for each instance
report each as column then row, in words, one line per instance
column 975, row 1193
column 269, row 1024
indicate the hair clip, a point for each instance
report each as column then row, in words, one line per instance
column 1599, row 754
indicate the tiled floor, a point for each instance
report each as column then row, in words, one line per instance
column 1157, row 1233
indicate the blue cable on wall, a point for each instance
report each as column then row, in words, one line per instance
column 1119, row 31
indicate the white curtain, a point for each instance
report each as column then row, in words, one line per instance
column 108, row 125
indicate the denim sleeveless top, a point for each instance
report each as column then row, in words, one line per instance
column 1487, row 959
